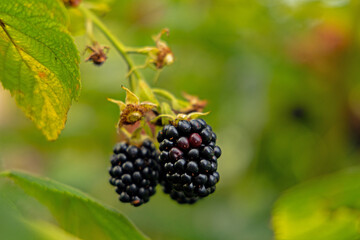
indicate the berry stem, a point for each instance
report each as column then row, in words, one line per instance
column 119, row 46
column 143, row 50
column 165, row 94
column 89, row 31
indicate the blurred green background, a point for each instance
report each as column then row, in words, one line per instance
column 282, row 82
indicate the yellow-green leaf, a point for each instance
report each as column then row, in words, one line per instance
column 322, row 209
column 39, row 61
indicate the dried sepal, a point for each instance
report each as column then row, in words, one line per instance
column 158, row 56
column 193, row 103
column 131, row 114
column 98, row 53
column 195, row 115
column 121, row 104
column 132, row 110
column 131, row 98
column 164, row 119
column 196, row 105
column 164, row 55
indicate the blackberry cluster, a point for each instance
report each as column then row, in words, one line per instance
column 188, row 160
column 135, row 172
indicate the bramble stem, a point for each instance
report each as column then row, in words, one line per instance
column 143, row 50
column 89, row 30
column 119, row 46
column 164, row 94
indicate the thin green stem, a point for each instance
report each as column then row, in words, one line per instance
column 89, row 31
column 163, row 93
column 143, row 50
column 119, row 46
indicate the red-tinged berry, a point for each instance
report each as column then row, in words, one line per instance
column 175, row 154
column 195, row 140
column 183, row 143
column 135, row 172
column 188, row 160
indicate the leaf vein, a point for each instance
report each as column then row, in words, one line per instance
column 52, row 51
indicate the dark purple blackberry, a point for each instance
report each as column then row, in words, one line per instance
column 178, row 196
column 188, row 160
column 134, row 172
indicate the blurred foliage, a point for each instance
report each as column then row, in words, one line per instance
column 75, row 211
column 325, row 208
column 13, row 226
column 281, row 78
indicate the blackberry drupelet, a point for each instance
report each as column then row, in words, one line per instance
column 134, row 172
column 178, row 196
column 188, row 160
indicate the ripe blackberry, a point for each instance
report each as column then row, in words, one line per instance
column 178, row 196
column 188, row 160
column 134, row 172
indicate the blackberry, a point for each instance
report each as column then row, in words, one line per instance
column 178, row 196
column 188, row 160
column 134, row 172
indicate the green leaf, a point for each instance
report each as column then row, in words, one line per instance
column 47, row 231
column 76, row 212
column 39, row 61
column 326, row 208
column 14, row 226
